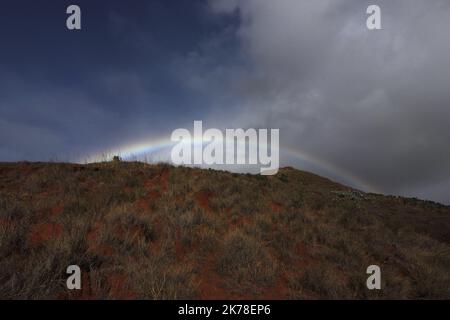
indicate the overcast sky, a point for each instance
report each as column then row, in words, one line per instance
column 374, row 104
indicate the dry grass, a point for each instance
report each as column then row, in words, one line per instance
column 162, row 232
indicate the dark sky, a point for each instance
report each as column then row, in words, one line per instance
column 64, row 93
column 360, row 105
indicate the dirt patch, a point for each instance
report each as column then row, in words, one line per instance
column 56, row 210
column 143, row 204
column 94, row 245
column 164, row 179
column 202, row 200
column 43, row 232
column 154, row 248
column 275, row 207
column 154, row 186
column 103, row 250
column 148, row 202
column 153, row 195
column 92, row 235
column 160, row 180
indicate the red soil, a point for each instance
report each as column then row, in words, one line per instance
column 103, row 250
column 164, row 179
column 152, row 197
column 159, row 181
column 93, row 233
column 154, row 248
column 43, row 232
column 143, row 204
column 276, row 207
column 202, row 199
column 56, row 211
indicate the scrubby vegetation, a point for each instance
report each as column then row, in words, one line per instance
column 162, row 232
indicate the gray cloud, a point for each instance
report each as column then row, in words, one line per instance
column 374, row 103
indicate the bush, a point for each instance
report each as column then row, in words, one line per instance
column 244, row 259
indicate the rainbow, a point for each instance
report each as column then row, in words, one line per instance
column 140, row 149
column 337, row 172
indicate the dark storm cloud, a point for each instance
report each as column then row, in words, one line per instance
column 375, row 103
column 70, row 94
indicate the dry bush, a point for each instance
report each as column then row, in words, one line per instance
column 245, row 259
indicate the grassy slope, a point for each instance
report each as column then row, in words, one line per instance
column 160, row 232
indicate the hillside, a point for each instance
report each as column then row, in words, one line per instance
column 162, row 232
